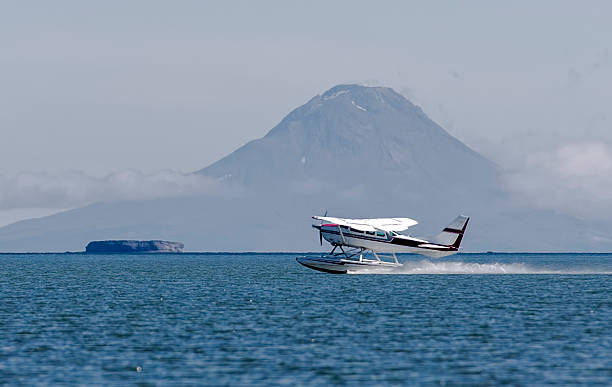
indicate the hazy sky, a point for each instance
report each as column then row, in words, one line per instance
column 93, row 89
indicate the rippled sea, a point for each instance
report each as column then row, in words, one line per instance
column 235, row 319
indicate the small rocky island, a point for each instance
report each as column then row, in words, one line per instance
column 132, row 246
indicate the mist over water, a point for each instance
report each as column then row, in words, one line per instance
column 263, row 319
column 460, row 267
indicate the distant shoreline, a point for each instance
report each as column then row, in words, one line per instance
column 291, row 253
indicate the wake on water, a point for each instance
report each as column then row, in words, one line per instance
column 457, row 267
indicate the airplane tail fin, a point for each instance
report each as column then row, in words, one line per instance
column 453, row 233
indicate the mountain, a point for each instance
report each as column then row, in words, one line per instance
column 354, row 134
column 362, row 151
column 353, row 151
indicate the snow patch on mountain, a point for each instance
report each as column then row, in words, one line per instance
column 334, row 95
column 359, row 107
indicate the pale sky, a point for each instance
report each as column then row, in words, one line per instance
column 93, row 89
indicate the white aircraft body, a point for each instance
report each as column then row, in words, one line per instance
column 351, row 238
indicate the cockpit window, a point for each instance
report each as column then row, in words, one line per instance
column 380, row 233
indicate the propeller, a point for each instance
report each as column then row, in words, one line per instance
column 320, row 233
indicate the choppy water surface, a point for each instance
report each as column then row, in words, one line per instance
column 264, row 319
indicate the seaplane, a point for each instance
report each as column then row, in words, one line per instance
column 366, row 244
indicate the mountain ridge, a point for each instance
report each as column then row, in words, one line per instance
column 350, row 126
column 354, row 151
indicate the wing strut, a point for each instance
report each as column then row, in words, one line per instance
column 341, row 234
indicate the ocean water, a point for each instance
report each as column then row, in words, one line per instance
column 236, row 319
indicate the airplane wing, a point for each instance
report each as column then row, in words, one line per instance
column 346, row 222
column 385, row 224
column 391, row 224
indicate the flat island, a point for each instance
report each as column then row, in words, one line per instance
column 132, row 246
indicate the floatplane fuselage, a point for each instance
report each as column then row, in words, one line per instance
column 351, row 238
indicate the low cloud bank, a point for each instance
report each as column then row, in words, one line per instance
column 575, row 179
column 74, row 189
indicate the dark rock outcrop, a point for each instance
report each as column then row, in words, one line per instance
column 130, row 246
